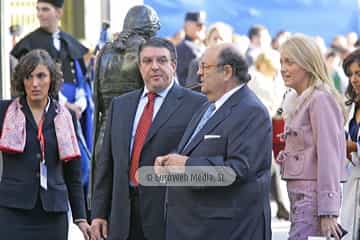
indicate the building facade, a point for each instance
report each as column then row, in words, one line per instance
column 82, row 19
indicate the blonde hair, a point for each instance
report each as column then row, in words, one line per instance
column 269, row 59
column 304, row 51
column 224, row 30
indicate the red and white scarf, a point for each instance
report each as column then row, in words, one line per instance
column 13, row 134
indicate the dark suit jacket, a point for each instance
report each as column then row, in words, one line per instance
column 111, row 186
column 71, row 49
column 240, row 210
column 20, row 182
column 187, row 51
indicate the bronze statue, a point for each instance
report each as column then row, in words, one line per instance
column 116, row 69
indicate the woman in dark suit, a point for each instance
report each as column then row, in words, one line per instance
column 41, row 166
column 350, row 216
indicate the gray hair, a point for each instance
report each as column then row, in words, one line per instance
column 229, row 55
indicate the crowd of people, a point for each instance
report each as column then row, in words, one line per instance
column 107, row 146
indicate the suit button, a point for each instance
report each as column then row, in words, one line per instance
column 37, row 174
column 38, row 156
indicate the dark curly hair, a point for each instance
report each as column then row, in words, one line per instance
column 27, row 65
column 350, row 92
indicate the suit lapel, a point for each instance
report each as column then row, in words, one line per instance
column 28, row 114
column 171, row 102
column 222, row 113
column 191, row 127
column 50, row 115
column 215, row 120
column 128, row 119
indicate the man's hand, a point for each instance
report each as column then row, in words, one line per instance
column 173, row 162
column 99, row 229
column 85, row 229
column 159, row 165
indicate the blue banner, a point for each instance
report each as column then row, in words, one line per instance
column 325, row 18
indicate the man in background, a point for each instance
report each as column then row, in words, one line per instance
column 192, row 46
column 260, row 40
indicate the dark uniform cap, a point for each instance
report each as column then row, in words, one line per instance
column 56, row 3
column 199, row 17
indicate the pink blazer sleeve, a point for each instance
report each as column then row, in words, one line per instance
column 327, row 123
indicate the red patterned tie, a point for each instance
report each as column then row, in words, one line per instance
column 140, row 136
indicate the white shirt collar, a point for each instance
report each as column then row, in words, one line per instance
column 56, row 34
column 162, row 93
column 48, row 105
column 218, row 103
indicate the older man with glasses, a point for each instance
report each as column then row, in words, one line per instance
column 230, row 135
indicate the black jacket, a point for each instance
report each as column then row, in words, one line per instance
column 20, row 182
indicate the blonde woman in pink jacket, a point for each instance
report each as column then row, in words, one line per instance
column 314, row 158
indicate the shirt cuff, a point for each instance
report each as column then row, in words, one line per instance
column 79, row 220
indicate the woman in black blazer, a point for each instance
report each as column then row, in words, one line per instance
column 41, row 166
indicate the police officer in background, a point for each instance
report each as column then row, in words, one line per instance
column 62, row 47
column 192, row 46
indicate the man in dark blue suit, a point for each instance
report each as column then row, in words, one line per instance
column 142, row 125
column 236, row 135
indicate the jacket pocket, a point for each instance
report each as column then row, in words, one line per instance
column 294, row 164
column 12, row 180
column 212, row 147
column 295, row 139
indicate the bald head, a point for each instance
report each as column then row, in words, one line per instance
column 222, row 68
column 229, row 54
column 216, row 49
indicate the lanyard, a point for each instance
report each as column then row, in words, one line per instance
column 41, row 138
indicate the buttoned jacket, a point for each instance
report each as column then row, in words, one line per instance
column 315, row 146
column 20, row 180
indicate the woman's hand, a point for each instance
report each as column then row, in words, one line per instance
column 85, row 229
column 330, row 227
column 281, row 157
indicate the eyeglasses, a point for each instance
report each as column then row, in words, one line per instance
column 204, row 66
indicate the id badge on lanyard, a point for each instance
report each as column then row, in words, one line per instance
column 43, row 168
